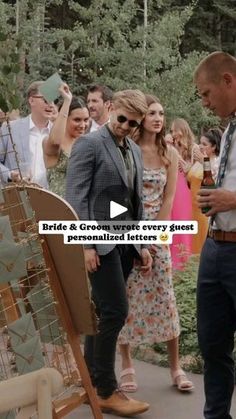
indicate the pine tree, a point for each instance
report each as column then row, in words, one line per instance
column 9, row 61
column 212, row 27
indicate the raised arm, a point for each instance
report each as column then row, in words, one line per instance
column 51, row 144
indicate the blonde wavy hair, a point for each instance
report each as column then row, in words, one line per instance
column 187, row 140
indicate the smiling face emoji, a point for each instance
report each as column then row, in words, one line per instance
column 164, row 237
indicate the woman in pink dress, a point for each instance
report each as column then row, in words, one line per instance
column 183, row 141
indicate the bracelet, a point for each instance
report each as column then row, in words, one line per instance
column 65, row 115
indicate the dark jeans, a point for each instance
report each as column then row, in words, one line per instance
column 109, row 295
column 216, row 304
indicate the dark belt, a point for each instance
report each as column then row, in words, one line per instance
column 222, row 236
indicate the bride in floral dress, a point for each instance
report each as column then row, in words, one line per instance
column 153, row 315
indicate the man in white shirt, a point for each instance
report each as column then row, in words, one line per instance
column 215, row 78
column 27, row 135
column 99, row 103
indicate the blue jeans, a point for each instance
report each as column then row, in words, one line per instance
column 216, row 312
column 109, row 295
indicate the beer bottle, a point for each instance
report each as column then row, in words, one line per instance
column 207, row 181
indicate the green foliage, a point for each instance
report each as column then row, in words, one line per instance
column 115, row 42
column 177, row 93
column 39, row 50
column 185, row 283
column 9, row 61
column 211, row 27
column 122, row 46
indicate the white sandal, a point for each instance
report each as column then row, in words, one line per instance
column 180, row 380
column 128, row 386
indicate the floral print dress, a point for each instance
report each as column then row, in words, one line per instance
column 56, row 175
column 153, row 315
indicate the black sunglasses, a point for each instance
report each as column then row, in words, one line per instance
column 132, row 122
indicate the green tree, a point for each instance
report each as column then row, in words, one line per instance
column 9, row 61
column 122, row 43
column 211, row 27
column 116, row 36
column 39, row 50
column 177, row 92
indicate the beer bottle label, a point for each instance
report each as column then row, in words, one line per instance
column 206, row 209
column 207, row 166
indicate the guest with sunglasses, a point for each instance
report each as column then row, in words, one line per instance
column 27, row 135
column 153, row 315
column 106, row 166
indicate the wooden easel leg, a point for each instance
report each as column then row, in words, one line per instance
column 72, row 335
column 76, row 349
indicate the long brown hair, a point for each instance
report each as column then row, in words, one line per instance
column 160, row 136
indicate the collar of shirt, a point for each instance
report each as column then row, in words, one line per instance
column 124, row 146
column 95, row 126
column 33, row 127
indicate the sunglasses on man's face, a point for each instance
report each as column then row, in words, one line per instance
column 132, row 122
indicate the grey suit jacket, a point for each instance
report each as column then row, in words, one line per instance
column 95, row 168
column 20, row 135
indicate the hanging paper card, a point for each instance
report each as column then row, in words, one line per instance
column 29, row 356
column 12, row 261
column 21, row 330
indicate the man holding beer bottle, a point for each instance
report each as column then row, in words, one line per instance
column 215, row 78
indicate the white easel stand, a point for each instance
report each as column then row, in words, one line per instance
column 28, row 389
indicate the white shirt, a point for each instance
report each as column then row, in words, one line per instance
column 226, row 221
column 95, row 126
column 37, row 166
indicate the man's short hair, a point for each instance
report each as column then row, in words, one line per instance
column 215, row 64
column 132, row 101
column 105, row 91
column 33, row 88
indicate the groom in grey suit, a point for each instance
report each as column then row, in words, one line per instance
column 27, row 135
column 106, row 166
